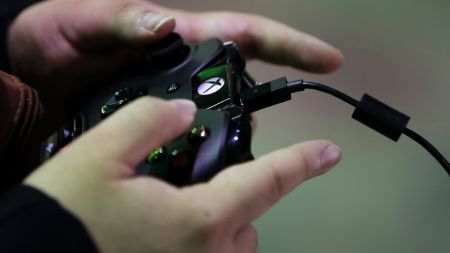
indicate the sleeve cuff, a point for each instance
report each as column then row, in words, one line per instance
column 30, row 221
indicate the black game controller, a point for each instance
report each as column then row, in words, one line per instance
column 212, row 74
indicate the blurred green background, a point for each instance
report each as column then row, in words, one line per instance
column 383, row 196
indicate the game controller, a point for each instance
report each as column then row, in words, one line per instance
column 212, row 74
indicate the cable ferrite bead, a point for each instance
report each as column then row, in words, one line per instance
column 380, row 117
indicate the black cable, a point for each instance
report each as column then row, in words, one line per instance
column 376, row 115
column 430, row 148
column 368, row 111
column 301, row 85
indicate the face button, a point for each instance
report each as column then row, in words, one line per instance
column 211, row 86
column 156, row 155
column 173, row 87
column 110, row 108
column 198, row 135
column 179, row 161
column 123, row 94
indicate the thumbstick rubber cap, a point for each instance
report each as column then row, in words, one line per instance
column 168, row 52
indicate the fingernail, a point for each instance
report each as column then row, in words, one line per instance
column 186, row 107
column 152, row 21
column 330, row 156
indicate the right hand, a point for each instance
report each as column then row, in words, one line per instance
column 95, row 179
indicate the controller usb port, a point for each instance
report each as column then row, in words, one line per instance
column 77, row 125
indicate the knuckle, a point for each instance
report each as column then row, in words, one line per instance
column 274, row 181
column 276, row 185
column 243, row 32
column 128, row 14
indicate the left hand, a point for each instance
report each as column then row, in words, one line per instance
column 62, row 47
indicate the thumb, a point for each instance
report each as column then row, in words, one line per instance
column 129, row 22
column 124, row 139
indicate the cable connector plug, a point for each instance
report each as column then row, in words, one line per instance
column 265, row 95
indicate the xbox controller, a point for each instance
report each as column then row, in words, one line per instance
column 212, row 74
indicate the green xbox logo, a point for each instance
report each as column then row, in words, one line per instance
column 210, row 86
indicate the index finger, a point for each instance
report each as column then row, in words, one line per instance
column 246, row 191
column 259, row 37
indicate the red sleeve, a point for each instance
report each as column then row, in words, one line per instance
column 20, row 115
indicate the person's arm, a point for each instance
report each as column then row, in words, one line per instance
column 19, row 106
column 30, row 221
column 9, row 9
column 21, row 114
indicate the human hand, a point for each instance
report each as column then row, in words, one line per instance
column 64, row 48
column 258, row 37
column 126, row 212
column 67, row 47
